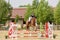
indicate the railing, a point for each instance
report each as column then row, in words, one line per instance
column 56, row 27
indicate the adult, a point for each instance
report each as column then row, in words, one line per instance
column 12, row 28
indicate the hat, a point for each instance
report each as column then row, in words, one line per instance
column 32, row 14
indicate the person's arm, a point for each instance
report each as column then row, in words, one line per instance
column 36, row 22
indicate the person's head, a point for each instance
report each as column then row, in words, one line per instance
column 13, row 21
column 32, row 15
column 50, row 22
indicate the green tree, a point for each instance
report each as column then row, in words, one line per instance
column 31, row 9
column 35, row 7
column 44, row 12
column 17, row 18
column 28, row 13
column 35, row 4
column 57, row 14
column 5, row 10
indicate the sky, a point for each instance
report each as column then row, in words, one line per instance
column 17, row 3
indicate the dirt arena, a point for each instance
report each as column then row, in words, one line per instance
column 4, row 33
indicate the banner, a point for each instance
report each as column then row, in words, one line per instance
column 49, row 30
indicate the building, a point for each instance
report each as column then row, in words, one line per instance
column 20, row 12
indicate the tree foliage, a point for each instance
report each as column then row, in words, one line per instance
column 31, row 9
column 57, row 14
column 17, row 18
column 28, row 13
column 4, row 10
column 42, row 11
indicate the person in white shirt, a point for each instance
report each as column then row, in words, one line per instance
column 29, row 18
column 32, row 15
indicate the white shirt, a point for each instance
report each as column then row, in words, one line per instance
column 12, row 25
column 29, row 19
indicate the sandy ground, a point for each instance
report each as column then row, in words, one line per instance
column 4, row 33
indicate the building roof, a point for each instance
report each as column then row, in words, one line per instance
column 18, row 11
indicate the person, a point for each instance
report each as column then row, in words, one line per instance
column 32, row 15
column 12, row 28
column 29, row 19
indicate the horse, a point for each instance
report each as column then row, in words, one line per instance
column 31, row 23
